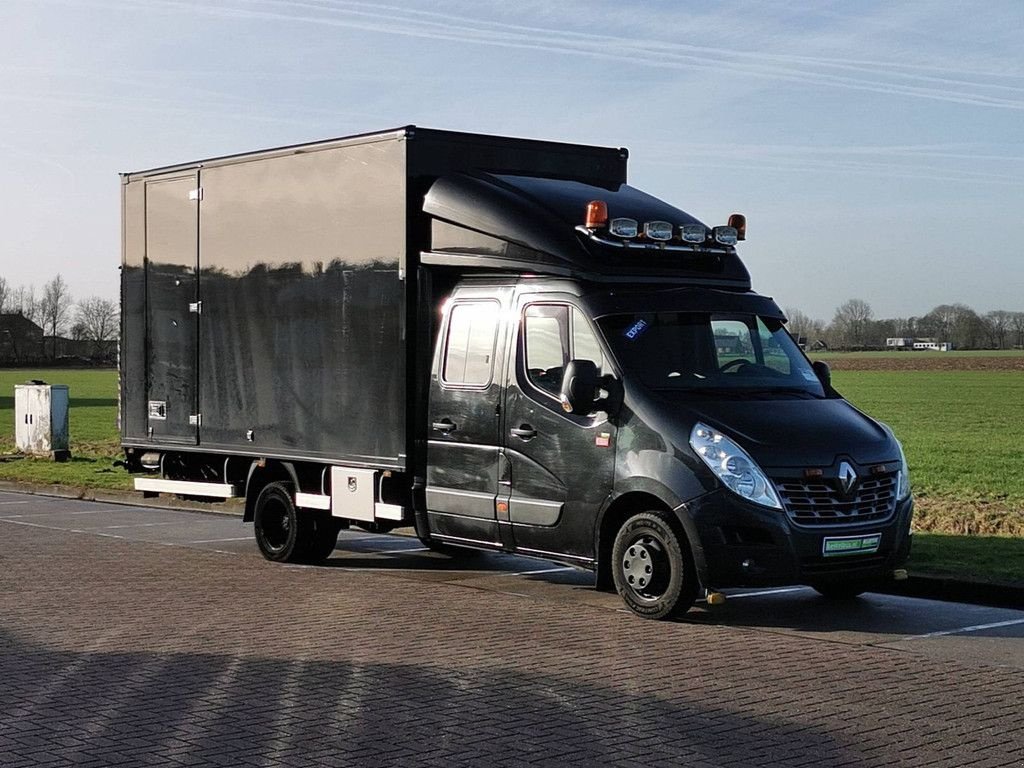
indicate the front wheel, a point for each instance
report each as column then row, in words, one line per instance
column 652, row 567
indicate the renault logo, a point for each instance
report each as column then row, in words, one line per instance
column 847, row 477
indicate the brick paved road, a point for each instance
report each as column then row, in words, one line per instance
column 128, row 651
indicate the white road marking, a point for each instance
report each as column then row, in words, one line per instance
column 395, row 551
column 139, row 525
column 12, row 502
column 961, row 630
column 217, row 541
column 765, row 592
column 542, row 570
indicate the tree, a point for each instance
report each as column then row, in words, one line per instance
column 850, row 322
column 999, row 323
column 55, row 308
column 23, row 300
column 956, row 323
column 1017, row 323
column 803, row 326
column 5, row 294
column 96, row 320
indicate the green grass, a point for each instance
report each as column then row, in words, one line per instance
column 93, row 428
column 998, row 559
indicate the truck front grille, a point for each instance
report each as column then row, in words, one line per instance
column 819, row 504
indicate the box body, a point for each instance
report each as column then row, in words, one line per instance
column 270, row 303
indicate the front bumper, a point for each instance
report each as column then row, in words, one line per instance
column 740, row 544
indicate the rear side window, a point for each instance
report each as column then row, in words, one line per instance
column 469, row 347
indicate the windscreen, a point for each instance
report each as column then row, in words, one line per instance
column 716, row 354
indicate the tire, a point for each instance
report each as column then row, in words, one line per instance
column 841, row 590
column 281, row 534
column 323, row 538
column 652, row 567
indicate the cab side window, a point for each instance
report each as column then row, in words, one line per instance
column 546, row 331
column 469, row 346
column 553, row 335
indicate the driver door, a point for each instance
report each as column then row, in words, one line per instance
column 561, row 465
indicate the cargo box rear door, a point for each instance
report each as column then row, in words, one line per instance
column 172, row 316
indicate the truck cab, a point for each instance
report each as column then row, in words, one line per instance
column 657, row 425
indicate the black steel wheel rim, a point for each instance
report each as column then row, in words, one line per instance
column 645, row 566
column 276, row 524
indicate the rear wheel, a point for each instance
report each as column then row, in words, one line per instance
column 281, row 534
column 323, row 537
column 652, row 567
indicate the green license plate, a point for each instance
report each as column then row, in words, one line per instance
column 851, row 545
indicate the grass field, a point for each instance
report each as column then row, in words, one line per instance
column 93, row 426
column 961, row 430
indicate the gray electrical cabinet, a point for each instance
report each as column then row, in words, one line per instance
column 41, row 420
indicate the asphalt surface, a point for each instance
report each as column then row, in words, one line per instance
column 141, row 636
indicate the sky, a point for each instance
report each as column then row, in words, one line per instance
column 876, row 148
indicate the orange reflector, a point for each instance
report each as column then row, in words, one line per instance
column 739, row 222
column 502, row 507
column 597, row 214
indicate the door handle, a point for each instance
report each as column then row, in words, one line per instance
column 445, row 425
column 524, row 432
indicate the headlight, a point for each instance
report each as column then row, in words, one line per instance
column 733, row 466
column 903, row 483
column 903, row 478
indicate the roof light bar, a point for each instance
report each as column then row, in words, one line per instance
column 658, row 230
column 597, row 214
column 693, row 233
column 624, row 227
column 725, row 235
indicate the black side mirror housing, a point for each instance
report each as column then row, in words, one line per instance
column 824, row 374
column 579, row 387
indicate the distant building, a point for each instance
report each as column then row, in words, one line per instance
column 904, row 342
column 900, row 342
column 21, row 340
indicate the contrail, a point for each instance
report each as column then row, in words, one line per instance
column 419, row 24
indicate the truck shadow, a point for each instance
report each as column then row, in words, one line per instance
column 200, row 709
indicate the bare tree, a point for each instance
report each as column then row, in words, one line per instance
column 1017, row 323
column 96, row 320
column 851, row 320
column 55, row 308
column 5, row 295
column 23, row 300
column 998, row 323
column 803, row 326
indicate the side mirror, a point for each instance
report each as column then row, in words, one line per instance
column 824, row 373
column 579, row 387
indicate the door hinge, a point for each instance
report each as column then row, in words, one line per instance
column 195, row 194
column 195, row 420
column 196, row 306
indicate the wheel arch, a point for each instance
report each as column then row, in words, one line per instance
column 261, row 473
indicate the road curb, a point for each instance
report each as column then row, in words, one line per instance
column 957, row 591
column 125, row 498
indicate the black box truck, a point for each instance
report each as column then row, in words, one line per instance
column 501, row 343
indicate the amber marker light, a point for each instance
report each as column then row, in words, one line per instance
column 597, row 214
column 739, row 222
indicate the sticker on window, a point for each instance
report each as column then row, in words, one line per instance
column 634, row 331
